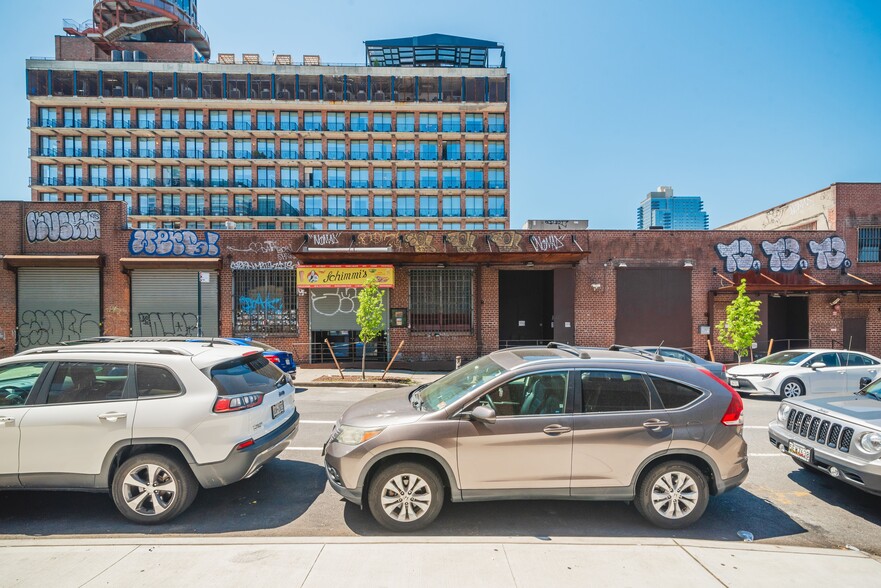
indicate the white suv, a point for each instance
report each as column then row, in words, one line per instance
column 151, row 422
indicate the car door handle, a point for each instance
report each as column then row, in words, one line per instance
column 872, row 371
column 112, row 417
column 7, row 421
column 556, row 429
column 655, row 424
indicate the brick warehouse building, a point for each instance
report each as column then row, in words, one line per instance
column 72, row 270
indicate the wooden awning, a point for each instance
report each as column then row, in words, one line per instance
column 190, row 263
column 14, row 261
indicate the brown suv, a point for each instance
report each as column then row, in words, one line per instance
column 544, row 422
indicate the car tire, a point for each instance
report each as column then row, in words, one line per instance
column 791, row 388
column 673, row 495
column 405, row 496
column 171, row 482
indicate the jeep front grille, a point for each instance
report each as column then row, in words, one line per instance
column 823, row 431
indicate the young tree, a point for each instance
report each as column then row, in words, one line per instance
column 369, row 318
column 741, row 325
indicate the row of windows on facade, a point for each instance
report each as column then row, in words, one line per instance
column 342, row 206
column 93, row 84
column 441, row 300
column 401, row 150
column 271, row 177
column 246, row 120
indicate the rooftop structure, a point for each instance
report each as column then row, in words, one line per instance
column 435, row 50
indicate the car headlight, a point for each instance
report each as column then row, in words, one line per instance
column 766, row 376
column 783, row 412
column 871, row 442
column 355, row 435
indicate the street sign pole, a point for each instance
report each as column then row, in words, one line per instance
column 199, row 304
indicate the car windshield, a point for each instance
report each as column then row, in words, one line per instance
column 457, row 384
column 873, row 390
column 785, row 358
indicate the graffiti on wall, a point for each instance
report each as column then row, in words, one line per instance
column 84, row 225
column 336, row 301
column 263, row 265
column 784, row 255
column 48, row 327
column 173, row 243
column 506, row 241
column 260, row 304
column 324, row 239
column 168, row 324
column 283, row 252
column 462, row 242
column 421, row 242
column 546, row 243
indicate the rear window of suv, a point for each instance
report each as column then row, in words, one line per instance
column 246, row 374
column 674, row 394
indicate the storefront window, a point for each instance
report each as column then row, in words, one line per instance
column 265, row 301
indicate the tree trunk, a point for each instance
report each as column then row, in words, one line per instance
column 363, row 359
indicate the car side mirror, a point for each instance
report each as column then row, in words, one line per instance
column 817, row 365
column 483, row 414
column 865, row 382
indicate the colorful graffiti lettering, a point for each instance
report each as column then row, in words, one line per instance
column 174, row 243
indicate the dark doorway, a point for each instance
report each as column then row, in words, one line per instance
column 654, row 305
column 855, row 333
column 788, row 322
column 526, row 303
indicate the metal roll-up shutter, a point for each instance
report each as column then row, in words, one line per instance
column 165, row 303
column 335, row 309
column 57, row 304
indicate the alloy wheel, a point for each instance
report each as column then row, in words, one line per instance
column 149, row 489
column 791, row 389
column 406, row 497
column 674, row 495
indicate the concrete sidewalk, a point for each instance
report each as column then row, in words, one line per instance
column 449, row 561
column 307, row 376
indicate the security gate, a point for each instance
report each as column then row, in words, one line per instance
column 165, row 303
column 56, row 304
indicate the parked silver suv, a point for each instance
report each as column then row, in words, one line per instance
column 544, row 422
column 150, row 422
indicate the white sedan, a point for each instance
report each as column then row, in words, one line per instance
column 796, row 372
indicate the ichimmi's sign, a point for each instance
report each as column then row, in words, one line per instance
column 344, row 276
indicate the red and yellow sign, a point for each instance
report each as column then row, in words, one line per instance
column 344, row 276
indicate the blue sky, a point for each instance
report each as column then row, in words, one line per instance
column 747, row 104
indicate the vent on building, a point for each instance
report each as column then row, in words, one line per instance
column 283, row 60
column 311, row 60
column 251, row 58
column 226, row 58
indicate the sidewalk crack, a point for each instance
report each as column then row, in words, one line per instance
column 691, row 555
column 312, row 567
column 122, row 557
column 508, row 562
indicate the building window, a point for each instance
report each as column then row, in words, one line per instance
column 427, row 226
column 382, row 206
column 336, row 150
column 496, row 226
column 406, row 226
column 336, row 226
column 441, row 300
column 313, row 206
column 336, row 206
column 428, row 178
column 496, row 206
column 474, row 206
column 382, row 226
column 406, row 206
column 473, row 150
column 452, row 178
column 336, row 121
column 452, row 226
column 452, row 206
column 360, row 206
column 359, row 150
column 869, row 244
column 313, row 226
column 496, row 179
column 290, row 226
column 474, row 179
column 473, row 123
column 496, row 123
column 405, row 151
column 358, row 121
column 428, row 207
column 427, row 120
column 359, row 178
column 265, row 301
column 382, row 122
column 452, row 151
column 404, row 122
column 406, row 178
column 289, row 121
column 312, row 121
column 452, row 123
column 428, row 151
column 382, row 178
column 360, row 226
column 382, row 150
column 496, row 150
column 473, row 226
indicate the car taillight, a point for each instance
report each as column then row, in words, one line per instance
column 273, row 358
column 734, row 413
column 244, row 444
column 240, row 402
column 724, row 369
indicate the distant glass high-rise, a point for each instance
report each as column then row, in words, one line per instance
column 662, row 210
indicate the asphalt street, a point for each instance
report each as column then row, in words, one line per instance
column 778, row 504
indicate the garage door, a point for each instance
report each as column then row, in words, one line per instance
column 654, row 305
column 56, row 304
column 165, row 304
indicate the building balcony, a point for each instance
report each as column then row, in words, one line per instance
column 337, row 154
column 474, row 212
column 289, row 210
column 242, row 183
column 496, row 184
column 474, row 156
column 359, row 184
column 289, row 183
column 451, row 128
column 266, row 183
column 359, row 127
column 428, row 156
column 405, row 128
column 195, row 182
column 266, row 126
column 428, row 184
column 382, row 155
column 452, row 185
column 496, row 212
column 428, row 128
column 336, row 211
column 474, row 185
column 336, row 126
column 314, row 211
column 406, row 184
column 194, row 125
column 265, row 210
column 242, row 154
column 452, row 212
column 496, row 128
column 496, row 156
column 289, row 154
column 312, row 154
column 195, row 154
column 147, row 209
column 377, row 211
column 358, row 211
column 472, row 127
column 170, row 153
column 146, row 124
column 263, row 154
column 313, row 126
column 313, row 184
column 148, row 153
column 382, row 127
column 146, row 182
column 406, row 155
column 406, row 212
column 124, row 152
column 218, row 126
column 241, row 126
column 243, row 210
column 336, row 183
column 171, row 210
column 196, row 210
column 121, row 124
column 169, row 124
column 289, row 126
column 430, row 212
column 219, row 183
column 219, row 211
column 170, row 182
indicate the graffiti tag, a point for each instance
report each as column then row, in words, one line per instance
column 47, row 327
column 173, row 243
column 338, row 301
column 259, row 304
column 738, row 256
column 322, row 239
column 549, row 243
column 506, row 241
column 284, row 252
column 262, row 265
column 830, row 253
column 783, row 255
column 63, row 225
column 421, row 242
column 463, row 242
column 167, row 324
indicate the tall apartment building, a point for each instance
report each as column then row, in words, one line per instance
column 663, row 210
column 131, row 109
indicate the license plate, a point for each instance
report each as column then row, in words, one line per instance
column 800, row 451
column 277, row 409
column 734, row 383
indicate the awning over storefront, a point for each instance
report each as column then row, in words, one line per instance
column 193, row 263
column 14, row 261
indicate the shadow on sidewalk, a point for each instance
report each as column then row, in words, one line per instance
column 248, row 505
column 726, row 515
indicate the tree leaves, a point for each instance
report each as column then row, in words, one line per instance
column 741, row 325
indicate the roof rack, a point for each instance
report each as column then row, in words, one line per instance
column 580, row 353
column 636, row 351
column 77, row 349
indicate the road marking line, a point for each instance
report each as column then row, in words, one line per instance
column 304, row 448
column 317, row 422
